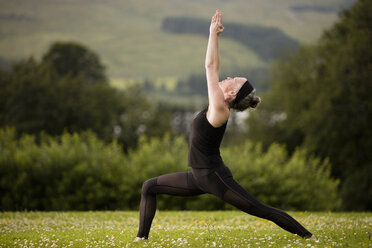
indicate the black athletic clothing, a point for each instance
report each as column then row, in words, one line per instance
column 206, row 177
column 204, row 143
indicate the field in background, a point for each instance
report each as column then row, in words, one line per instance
column 179, row 229
column 128, row 36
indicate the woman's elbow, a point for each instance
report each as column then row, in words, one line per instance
column 211, row 66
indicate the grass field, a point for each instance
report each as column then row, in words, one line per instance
column 179, row 229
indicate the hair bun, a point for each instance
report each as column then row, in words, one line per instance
column 255, row 101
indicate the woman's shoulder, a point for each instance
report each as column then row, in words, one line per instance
column 217, row 117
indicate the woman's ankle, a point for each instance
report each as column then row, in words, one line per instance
column 312, row 237
column 138, row 239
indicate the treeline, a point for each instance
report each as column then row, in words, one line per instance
column 68, row 90
column 321, row 99
column 322, row 8
column 267, row 43
column 81, row 172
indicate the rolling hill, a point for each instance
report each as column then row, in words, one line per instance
column 132, row 43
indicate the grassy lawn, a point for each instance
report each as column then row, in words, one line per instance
column 179, row 229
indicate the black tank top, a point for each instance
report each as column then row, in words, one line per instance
column 204, row 143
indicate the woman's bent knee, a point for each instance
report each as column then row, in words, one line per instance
column 148, row 184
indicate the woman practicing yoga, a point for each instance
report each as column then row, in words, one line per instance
column 209, row 174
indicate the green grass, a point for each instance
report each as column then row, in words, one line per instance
column 179, row 229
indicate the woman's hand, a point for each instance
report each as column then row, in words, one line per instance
column 216, row 23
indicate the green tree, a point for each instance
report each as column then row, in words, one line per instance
column 73, row 59
column 140, row 116
column 37, row 97
column 321, row 99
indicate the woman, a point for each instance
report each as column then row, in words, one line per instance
column 209, row 174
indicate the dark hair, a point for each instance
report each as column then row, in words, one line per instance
column 250, row 101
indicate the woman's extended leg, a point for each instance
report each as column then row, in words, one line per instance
column 243, row 200
column 179, row 184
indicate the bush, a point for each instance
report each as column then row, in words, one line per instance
column 299, row 182
column 81, row 172
column 154, row 157
column 71, row 172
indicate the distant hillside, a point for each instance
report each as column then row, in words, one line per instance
column 128, row 34
column 267, row 43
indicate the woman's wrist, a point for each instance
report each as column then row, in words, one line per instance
column 214, row 33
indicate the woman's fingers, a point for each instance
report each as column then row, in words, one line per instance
column 214, row 17
column 218, row 17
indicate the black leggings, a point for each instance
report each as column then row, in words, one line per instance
column 219, row 182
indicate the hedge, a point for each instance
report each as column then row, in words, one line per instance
column 80, row 172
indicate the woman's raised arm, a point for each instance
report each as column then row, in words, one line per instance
column 216, row 99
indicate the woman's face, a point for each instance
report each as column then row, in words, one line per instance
column 232, row 84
